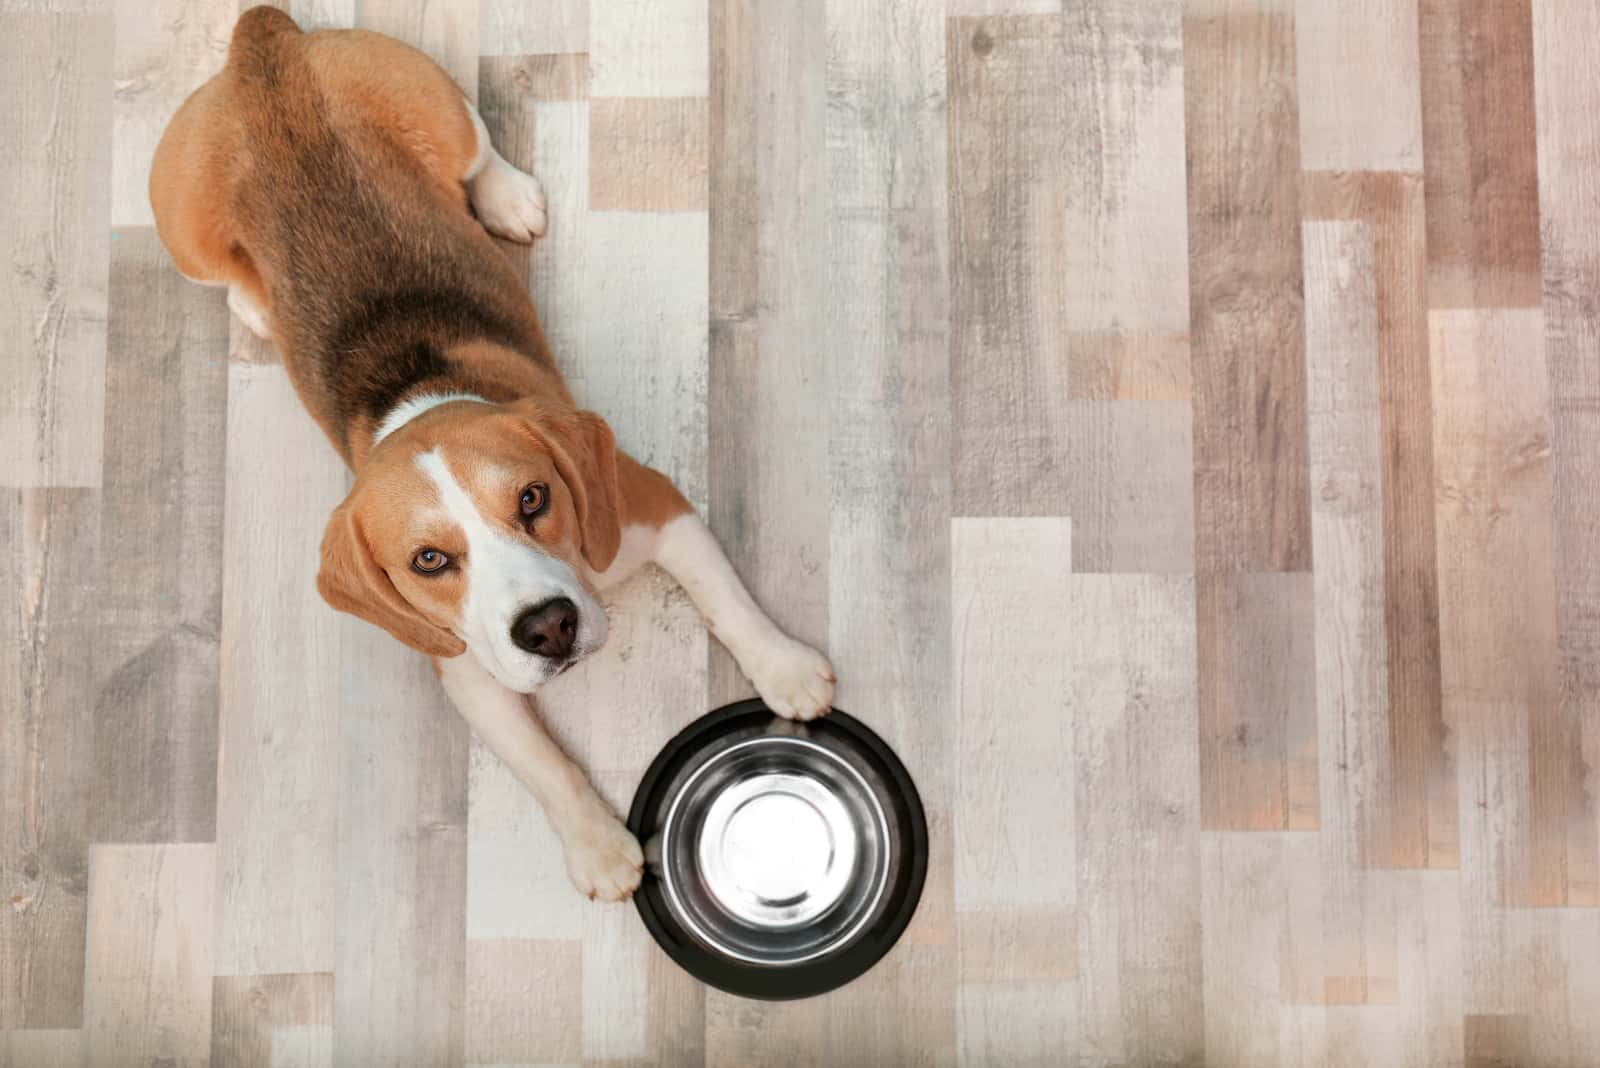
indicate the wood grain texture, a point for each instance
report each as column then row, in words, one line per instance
column 524, row 1005
column 147, row 997
column 1129, row 655
column 516, row 28
column 57, row 195
column 1009, row 125
column 42, row 1049
column 659, row 49
column 1252, row 499
column 247, row 1009
column 281, row 682
column 1568, row 97
column 767, row 450
column 160, row 551
column 46, row 752
column 1359, row 94
column 887, row 343
column 402, row 856
column 1258, row 708
column 1498, row 620
column 647, row 154
column 1356, row 926
column 1423, row 797
column 1015, row 836
column 1478, row 132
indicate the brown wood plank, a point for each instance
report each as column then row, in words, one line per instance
column 246, row 1008
column 160, row 551
column 1252, row 501
column 1423, row 810
column 56, row 187
column 1258, row 705
column 1009, row 127
column 47, row 650
column 1478, row 133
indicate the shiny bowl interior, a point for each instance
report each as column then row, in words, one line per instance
column 783, row 859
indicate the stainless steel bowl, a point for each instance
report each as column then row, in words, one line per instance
column 784, row 859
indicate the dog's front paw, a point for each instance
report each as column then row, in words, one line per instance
column 793, row 679
column 604, row 859
column 509, row 203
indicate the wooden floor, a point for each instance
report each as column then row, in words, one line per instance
column 1179, row 421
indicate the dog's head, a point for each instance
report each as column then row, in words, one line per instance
column 471, row 530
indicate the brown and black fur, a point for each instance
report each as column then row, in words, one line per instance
column 322, row 173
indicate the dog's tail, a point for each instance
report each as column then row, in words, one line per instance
column 256, row 52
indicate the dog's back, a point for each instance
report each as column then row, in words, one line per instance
column 322, row 174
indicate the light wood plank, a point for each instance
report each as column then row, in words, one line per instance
column 164, row 52
column 767, row 451
column 160, row 551
column 1016, row 1023
column 887, row 357
column 1359, row 75
column 1242, row 877
column 56, row 188
column 1567, row 99
column 47, row 770
column 1497, row 611
column 1258, row 705
column 402, row 885
column 1357, row 922
column 147, row 996
column 515, row 27
column 41, row 1049
column 303, row 1046
column 1129, row 659
column 1014, row 783
column 1014, row 779
column 656, row 49
column 1252, row 498
column 1478, row 133
column 277, row 781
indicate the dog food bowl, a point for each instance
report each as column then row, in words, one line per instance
column 782, row 859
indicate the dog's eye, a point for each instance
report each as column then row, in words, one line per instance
column 535, row 498
column 428, row 561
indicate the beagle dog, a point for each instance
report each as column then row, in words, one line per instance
column 344, row 190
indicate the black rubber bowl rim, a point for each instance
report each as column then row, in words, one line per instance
column 781, row 982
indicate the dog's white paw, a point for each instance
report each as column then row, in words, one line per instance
column 793, row 679
column 604, row 859
column 509, row 203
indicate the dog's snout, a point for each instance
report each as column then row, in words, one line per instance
column 547, row 629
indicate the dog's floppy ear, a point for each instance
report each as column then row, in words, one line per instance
column 351, row 581
column 585, row 454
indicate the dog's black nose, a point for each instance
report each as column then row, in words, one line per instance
column 547, row 629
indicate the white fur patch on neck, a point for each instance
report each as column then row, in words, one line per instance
column 410, row 408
